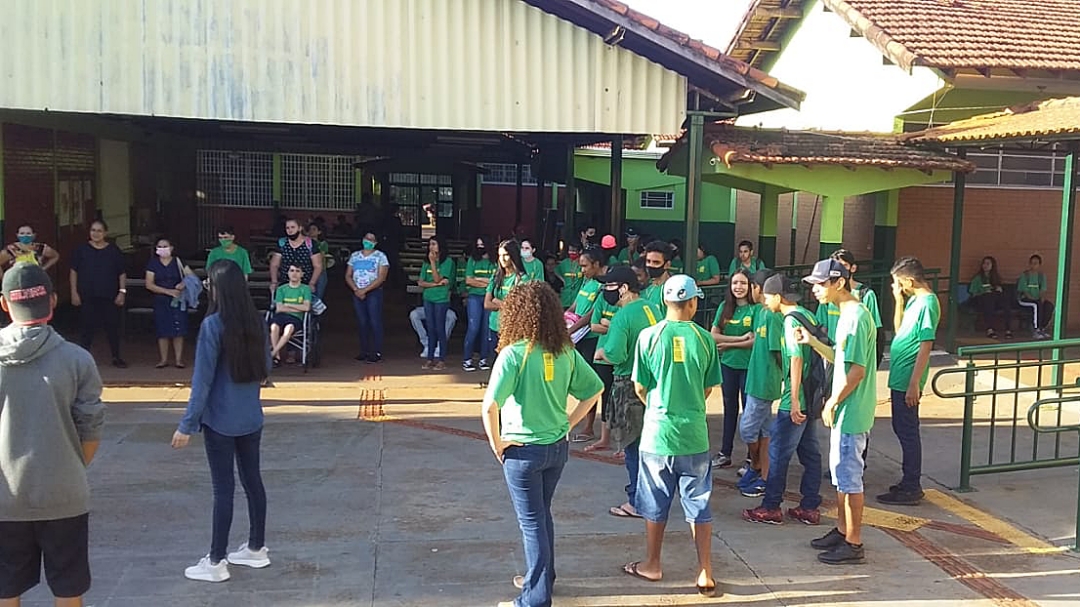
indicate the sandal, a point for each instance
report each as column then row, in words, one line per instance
column 595, row 447
column 428, row 365
column 582, row 438
column 161, row 365
column 439, row 366
column 180, row 365
column 708, row 591
column 621, row 512
column 632, row 570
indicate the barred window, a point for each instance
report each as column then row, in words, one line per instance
column 1014, row 168
column 506, row 174
column 313, row 181
column 655, row 199
column 235, row 179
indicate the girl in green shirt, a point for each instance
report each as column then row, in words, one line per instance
column 509, row 273
column 707, row 272
column 479, row 271
column 436, row 278
column 988, row 297
column 733, row 332
column 526, row 420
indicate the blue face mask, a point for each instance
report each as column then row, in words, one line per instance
column 26, row 239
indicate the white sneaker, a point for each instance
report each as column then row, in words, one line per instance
column 256, row 559
column 205, row 571
column 423, row 354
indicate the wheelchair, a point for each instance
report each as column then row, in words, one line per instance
column 305, row 340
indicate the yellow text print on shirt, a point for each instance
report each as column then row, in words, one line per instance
column 679, row 349
column 549, row 366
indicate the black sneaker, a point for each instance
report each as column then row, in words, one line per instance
column 375, row 358
column 901, row 497
column 485, row 365
column 830, row 540
column 361, row 357
column 119, row 363
column 844, row 554
column 468, row 366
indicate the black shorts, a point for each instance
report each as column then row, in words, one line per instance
column 283, row 319
column 62, row 543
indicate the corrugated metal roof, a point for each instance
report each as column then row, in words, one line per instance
column 1050, row 120
column 493, row 65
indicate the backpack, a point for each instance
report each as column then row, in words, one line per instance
column 307, row 240
column 817, row 384
column 860, row 294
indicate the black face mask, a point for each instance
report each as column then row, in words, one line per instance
column 294, row 236
column 611, row 296
column 478, row 253
column 655, row 272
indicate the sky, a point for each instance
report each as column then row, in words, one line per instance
column 712, row 21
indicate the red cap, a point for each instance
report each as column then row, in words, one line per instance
column 608, row 242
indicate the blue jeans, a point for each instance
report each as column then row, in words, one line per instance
column 633, row 464
column 369, row 319
column 733, row 389
column 478, row 328
column 786, row 440
column 846, row 460
column 532, row 472
column 320, row 285
column 435, row 319
column 221, row 451
column 905, row 423
column 661, row 474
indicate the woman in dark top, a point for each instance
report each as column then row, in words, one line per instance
column 165, row 279
column 232, row 359
column 99, row 288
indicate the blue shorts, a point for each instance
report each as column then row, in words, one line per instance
column 657, row 479
column 846, row 460
column 756, row 418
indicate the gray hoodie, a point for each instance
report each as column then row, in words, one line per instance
column 50, row 403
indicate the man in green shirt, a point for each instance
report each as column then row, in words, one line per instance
column 633, row 247
column 849, row 411
column 228, row 249
column 745, row 259
column 764, row 385
column 1031, row 293
column 657, row 264
column 569, row 271
column 915, row 320
column 622, row 289
column 676, row 367
column 828, row 315
column 791, row 431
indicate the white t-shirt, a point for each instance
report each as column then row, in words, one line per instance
column 365, row 269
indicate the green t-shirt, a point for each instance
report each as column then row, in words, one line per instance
column 741, row 323
column 585, row 297
column 919, row 324
column 239, row 256
column 677, row 266
column 707, row 268
column 763, row 375
column 629, row 322
column 569, row 270
column 499, row 292
column 531, row 387
column 856, row 344
column 676, row 362
column 483, row 270
column 534, row 268
column 655, row 294
column 979, row 286
column 286, row 294
column 755, row 265
column 601, row 310
column 613, row 261
column 624, row 256
column 446, row 270
column 1031, row 285
column 791, row 349
column 828, row 314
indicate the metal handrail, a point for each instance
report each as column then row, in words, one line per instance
column 970, row 351
column 1059, row 429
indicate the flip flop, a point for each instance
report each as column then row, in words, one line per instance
column 619, row 512
column 582, row 438
column 596, row 447
column 161, row 365
column 708, row 591
column 631, row 570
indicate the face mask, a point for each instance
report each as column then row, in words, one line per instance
column 574, row 256
column 164, row 251
column 655, row 272
column 611, row 296
column 294, row 236
column 26, row 238
column 478, row 253
column 225, row 242
column 368, row 245
column 526, row 254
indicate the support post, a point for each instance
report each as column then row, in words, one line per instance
column 520, row 182
column 886, row 216
column 959, row 181
column 538, row 217
column 794, row 225
column 1068, row 216
column 832, row 225
column 693, row 187
column 618, row 209
column 768, row 215
column 570, row 198
column 3, row 211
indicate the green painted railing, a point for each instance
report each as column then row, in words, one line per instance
column 1034, row 414
column 1010, row 443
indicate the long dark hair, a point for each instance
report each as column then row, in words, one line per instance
column 513, row 249
column 244, row 342
column 444, row 251
column 993, row 275
column 532, row 312
column 730, row 301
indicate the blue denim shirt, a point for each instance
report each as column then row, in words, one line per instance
column 216, row 400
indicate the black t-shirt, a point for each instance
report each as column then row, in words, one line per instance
column 98, row 270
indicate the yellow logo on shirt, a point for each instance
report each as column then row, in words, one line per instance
column 679, row 349
column 762, row 331
column 549, row 366
column 650, row 315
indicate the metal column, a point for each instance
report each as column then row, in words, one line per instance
column 569, row 231
column 1068, row 216
column 959, row 181
column 693, row 186
column 518, row 196
column 618, row 209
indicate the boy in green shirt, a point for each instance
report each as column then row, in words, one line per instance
column 633, row 247
column 827, row 315
column 849, row 412
column 764, row 383
column 291, row 301
column 745, row 260
column 792, row 431
column 228, row 249
column 622, row 289
column 569, row 270
column 676, row 367
column 916, row 321
column 657, row 264
column 1031, row 293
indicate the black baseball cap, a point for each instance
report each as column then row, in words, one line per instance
column 779, row 284
column 28, row 291
column 630, row 232
column 761, row 276
column 826, row 270
column 620, row 274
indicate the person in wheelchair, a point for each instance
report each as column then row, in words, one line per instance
column 291, row 302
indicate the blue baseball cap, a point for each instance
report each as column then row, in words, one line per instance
column 681, row 288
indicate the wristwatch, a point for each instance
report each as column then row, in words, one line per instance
column 124, row 291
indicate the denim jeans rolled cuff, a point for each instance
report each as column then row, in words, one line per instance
column 733, row 389
column 660, row 475
column 846, row 460
column 221, row 451
column 905, row 423
column 787, row 439
column 756, row 419
column 532, row 473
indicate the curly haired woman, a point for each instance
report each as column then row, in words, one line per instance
column 526, row 420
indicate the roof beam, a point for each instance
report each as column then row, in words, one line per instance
column 779, row 13
column 759, row 45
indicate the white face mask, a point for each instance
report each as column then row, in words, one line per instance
column 526, row 254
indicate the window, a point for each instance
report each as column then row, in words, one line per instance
column 315, row 181
column 1014, row 168
column 235, row 179
column 506, row 174
column 652, row 199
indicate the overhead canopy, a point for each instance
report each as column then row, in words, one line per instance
column 765, row 28
column 1047, row 121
